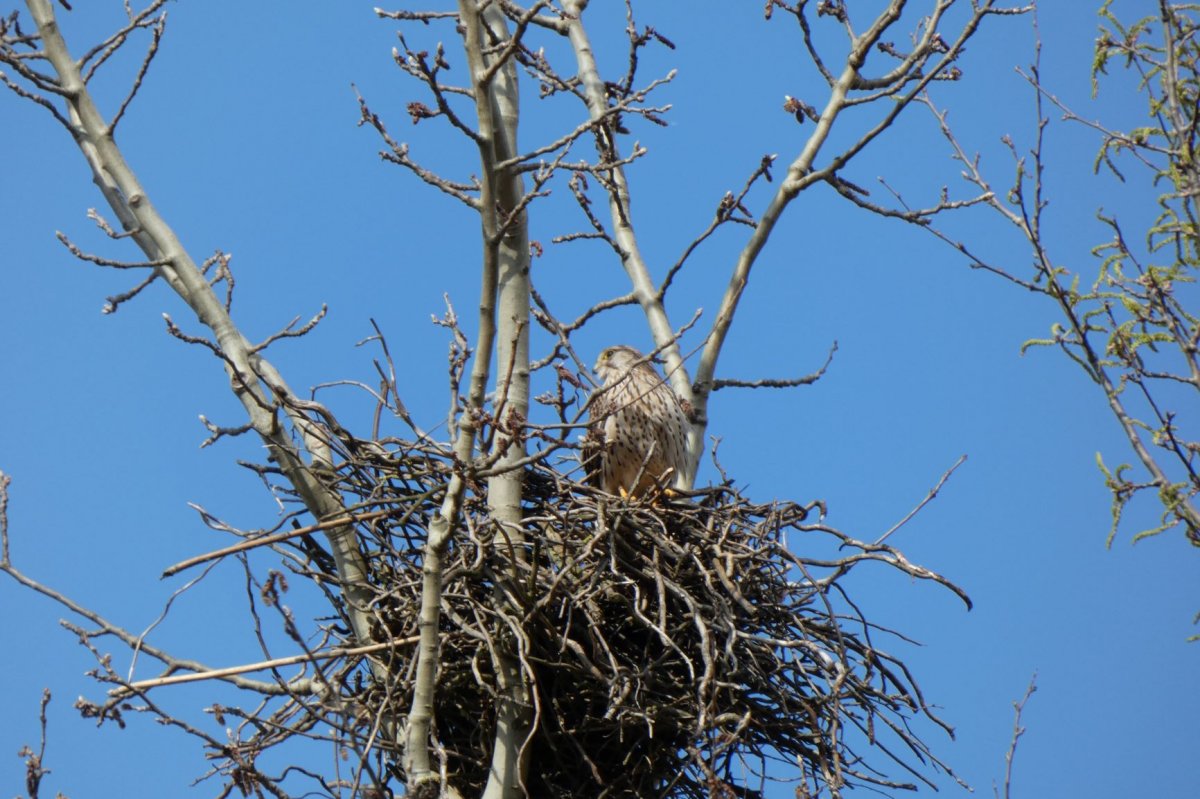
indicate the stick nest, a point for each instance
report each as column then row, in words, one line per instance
column 672, row 647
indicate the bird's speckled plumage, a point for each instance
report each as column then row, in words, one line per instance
column 639, row 422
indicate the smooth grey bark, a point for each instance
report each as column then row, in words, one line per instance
column 506, row 238
column 504, row 332
column 254, row 380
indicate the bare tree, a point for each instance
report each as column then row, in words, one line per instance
column 500, row 627
column 1133, row 329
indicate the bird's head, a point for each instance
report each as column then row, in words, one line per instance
column 616, row 361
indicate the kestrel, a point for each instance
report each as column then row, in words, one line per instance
column 640, row 424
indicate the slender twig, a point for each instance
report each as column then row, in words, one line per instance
column 933, row 492
column 265, row 665
column 276, row 538
column 1017, row 732
column 790, row 382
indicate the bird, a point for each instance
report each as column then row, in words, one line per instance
column 637, row 424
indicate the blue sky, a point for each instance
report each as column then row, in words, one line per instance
column 245, row 137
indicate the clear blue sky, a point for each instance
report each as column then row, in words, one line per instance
column 245, row 137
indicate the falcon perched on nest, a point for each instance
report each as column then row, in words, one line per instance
column 639, row 423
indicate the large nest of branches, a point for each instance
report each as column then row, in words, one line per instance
column 673, row 646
